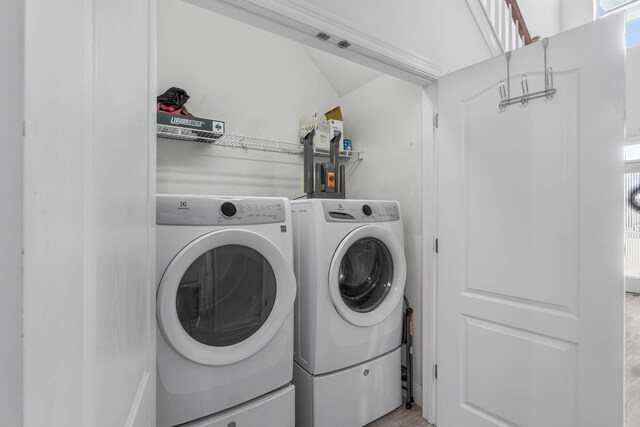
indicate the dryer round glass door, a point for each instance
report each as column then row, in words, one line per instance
column 224, row 296
column 367, row 275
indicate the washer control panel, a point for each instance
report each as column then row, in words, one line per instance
column 360, row 211
column 206, row 210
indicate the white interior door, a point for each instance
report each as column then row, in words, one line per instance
column 530, row 279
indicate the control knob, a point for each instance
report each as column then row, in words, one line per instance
column 228, row 209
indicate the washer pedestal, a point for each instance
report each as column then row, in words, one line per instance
column 350, row 397
column 273, row 409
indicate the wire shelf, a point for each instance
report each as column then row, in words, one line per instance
column 243, row 142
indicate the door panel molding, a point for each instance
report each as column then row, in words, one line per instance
column 517, row 190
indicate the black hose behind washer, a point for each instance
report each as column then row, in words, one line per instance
column 407, row 340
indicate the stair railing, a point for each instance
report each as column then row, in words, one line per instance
column 506, row 25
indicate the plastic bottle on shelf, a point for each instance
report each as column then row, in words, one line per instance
column 346, row 146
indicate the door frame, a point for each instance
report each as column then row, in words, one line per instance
column 429, row 259
column 294, row 21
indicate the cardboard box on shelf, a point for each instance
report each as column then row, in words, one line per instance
column 334, row 118
column 322, row 136
column 325, row 128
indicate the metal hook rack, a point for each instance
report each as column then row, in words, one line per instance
column 505, row 88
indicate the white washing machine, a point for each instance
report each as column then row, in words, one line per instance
column 351, row 270
column 225, row 298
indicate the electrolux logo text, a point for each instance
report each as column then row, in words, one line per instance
column 183, row 206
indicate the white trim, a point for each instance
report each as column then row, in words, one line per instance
column 392, row 299
column 308, row 20
column 486, row 28
column 417, row 394
column 429, row 267
column 151, row 216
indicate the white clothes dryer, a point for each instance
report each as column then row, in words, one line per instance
column 350, row 266
column 225, row 298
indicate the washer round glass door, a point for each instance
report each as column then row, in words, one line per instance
column 224, row 297
column 367, row 275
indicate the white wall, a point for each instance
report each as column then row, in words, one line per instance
column 260, row 98
column 546, row 18
column 88, row 312
column 574, row 13
column 633, row 95
column 541, row 16
column 260, row 84
column 11, row 110
column 385, row 118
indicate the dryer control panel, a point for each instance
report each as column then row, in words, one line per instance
column 207, row 210
column 360, row 211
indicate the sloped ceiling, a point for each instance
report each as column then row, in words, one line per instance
column 345, row 76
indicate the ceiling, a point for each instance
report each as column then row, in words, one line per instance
column 344, row 75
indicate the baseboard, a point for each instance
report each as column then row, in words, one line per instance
column 417, row 394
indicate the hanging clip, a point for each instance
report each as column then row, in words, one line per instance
column 548, row 81
column 505, row 89
column 549, row 91
column 525, row 90
column 503, row 96
column 545, row 43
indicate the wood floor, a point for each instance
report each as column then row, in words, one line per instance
column 632, row 360
column 402, row 417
